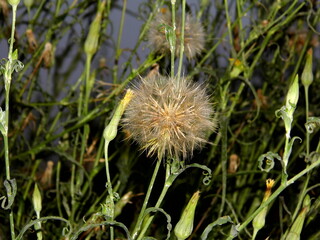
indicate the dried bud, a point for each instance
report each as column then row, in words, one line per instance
column 260, row 220
column 48, row 55
column 32, row 42
column 4, row 8
column 307, row 75
column 184, row 227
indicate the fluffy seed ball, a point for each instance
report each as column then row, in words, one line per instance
column 169, row 117
column 193, row 34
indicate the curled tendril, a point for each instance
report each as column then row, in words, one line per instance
column 11, row 188
column 17, row 65
column 144, row 10
column 313, row 157
column 168, row 217
column 313, row 122
column 269, row 162
column 86, row 227
column 207, row 178
column 65, row 232
column 116, row 196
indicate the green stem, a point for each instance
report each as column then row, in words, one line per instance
column 306, row 88
column 118, row 51
column 109, row 184
column 7, row 82
column 275, row 195
column 226, row 5
column 306, row 182
column 183, row 19
column 146, row 200
column 165, row 188
column 224, row 160
column 173, row 46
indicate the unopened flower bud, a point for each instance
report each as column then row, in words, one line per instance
column 14, row 2
column 91, row 43
column 28, row 3
column 184, row 227
column 237, row 68
column 296, row 228
column 110, row 132
column 307, row 75
column 36, row 199
column 293, row 95
column 124, row 200
column 260, row 220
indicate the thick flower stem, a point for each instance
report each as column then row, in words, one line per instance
column 165, row 188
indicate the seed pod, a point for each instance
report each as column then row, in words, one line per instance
column 297, row 226
column 184, row 227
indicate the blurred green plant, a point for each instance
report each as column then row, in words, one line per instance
column 63, row 88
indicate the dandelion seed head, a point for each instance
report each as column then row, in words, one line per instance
column 193, row 34
column 169, row 117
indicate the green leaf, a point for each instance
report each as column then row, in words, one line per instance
column 15, row 55
column 220, row 221
column 11, row 188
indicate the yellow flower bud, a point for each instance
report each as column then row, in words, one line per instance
column 110, row 132
column 237, row 69
column 260, row 220
column 184, row 227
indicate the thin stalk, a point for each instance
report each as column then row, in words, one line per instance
column 226, row 5
column 118, row 51
column 183, row 16
column 306, row 182
column 146, row 200
column 109, row 184
column 58, row 188
column 7, row 82
column 173, row 46
column 164, row 191
column 306, row 90
column 224, row 160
